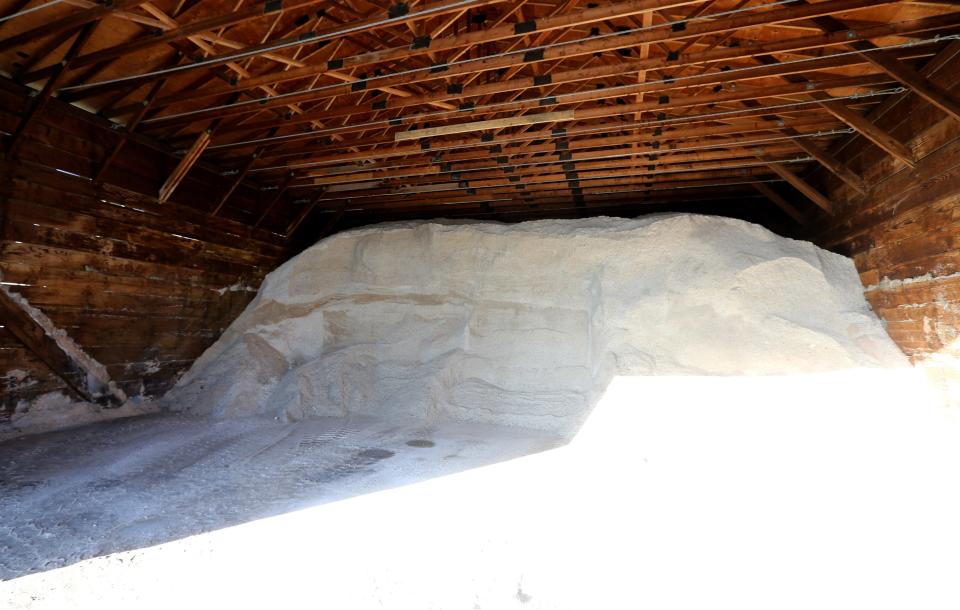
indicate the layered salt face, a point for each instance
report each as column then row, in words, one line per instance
column 526, row 324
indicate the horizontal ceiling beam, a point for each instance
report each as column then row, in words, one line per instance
column 563, row 51
column 361, row 121
column 313, row 37
column 661, row 104
column 72, row 21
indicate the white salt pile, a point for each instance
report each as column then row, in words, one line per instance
column 527, row 324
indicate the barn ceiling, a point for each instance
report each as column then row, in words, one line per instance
column 465, row 107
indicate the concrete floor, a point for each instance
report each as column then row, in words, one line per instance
column 127, row 484
column 834, row 490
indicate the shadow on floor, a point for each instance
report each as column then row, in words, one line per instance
column 126, row 484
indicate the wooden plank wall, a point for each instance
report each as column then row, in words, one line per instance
column 904, row 235
column 143, row 287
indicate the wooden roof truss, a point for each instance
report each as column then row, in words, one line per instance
column 472, row 107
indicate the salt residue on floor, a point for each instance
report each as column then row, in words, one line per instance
column 832, row 490
column 57, row 411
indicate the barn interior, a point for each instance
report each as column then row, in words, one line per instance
column 163, row 397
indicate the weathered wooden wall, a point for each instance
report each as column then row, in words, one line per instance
column 143, row 287
column 905, row 233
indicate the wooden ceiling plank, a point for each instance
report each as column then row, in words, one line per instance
column 13, row 11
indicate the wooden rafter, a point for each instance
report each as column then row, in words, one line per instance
column 585, row 47
column 40, row 101
column 180, row 171
column 69, row 22
column 366, row 25
column 800, row 184
column 343, row 109
column 780, row 202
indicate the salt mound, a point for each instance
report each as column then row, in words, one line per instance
column 526, row 324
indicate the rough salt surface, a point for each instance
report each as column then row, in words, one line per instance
column 526, row 324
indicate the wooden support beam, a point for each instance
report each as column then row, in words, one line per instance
column 39, row 54
column 68, row 22
column 780, row 202
column 828, row 161
column 933, row 68
column 330, row 226
column 256, row 11
column 800, row 184
column 40, row 101
column 593, row 201
column 180, row 171
column 554, row 162
column 607, row 112
column 333, row 153
column 866, row 128
column 676, row 174
column 208, row 49
column 916, row 82
column 281, row 189
column 519, row 84
column 680, row 137
column 430, row 132
column 226, row 19
column 563, row 52
column 824, row 158
column 936, row 95
column 852, row 118
column 307, row 209
column 132, row 123
column 615, row 183
column 76, row 371
column 241, row 174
